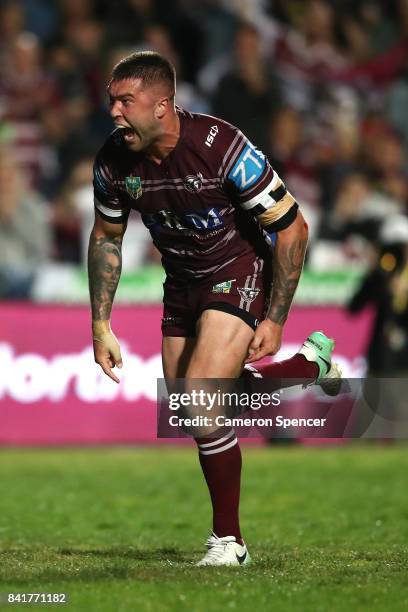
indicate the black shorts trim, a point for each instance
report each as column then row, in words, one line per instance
column 247, row 317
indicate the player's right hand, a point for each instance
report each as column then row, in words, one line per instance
column 267, row 340
column 107, row 351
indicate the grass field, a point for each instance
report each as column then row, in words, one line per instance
column 118, row 529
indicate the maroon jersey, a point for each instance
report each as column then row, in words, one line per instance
column 198, row 202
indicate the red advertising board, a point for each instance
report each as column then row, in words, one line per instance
column 52, row 392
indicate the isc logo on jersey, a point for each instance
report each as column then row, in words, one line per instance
column 248, row 168
column 211, row 136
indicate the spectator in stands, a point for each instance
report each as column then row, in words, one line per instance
column 41, row 18
column 25, row 237
column 388, row 167
column 346, row 236
column 156, row 38
column 306, row 54
column 292, row 156
column 248, row 95
column 28, row 96
column 385, row 288
column 12, row 23
column 78, row 64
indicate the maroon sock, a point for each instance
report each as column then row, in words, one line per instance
column 221, row 465
column 296, row 367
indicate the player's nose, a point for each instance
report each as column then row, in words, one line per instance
column 114, row 110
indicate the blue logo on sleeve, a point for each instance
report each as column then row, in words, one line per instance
column 248, row 168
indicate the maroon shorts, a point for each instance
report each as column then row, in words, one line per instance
column 245, row 296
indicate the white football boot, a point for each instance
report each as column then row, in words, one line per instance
column 332, row 382
column 319, row 348
column 224, row 551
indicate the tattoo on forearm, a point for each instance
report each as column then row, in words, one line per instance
column 104, row 268
column 287, row 268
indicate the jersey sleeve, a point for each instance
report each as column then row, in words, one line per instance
column 257, row 188
column 106, row 199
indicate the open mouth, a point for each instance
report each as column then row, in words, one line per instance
column 128, row 133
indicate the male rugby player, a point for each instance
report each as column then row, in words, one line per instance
column 209, row 199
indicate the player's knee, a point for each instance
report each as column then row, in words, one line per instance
column 197, row 424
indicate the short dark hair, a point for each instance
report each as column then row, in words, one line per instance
column 149, row 66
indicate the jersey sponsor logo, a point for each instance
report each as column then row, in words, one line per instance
column 203, row 220
column 248, row 168
column 193, row 183
column 224, row 287
column 248, row 294
column 211, row 136
column 133, row 186
column 208, row 219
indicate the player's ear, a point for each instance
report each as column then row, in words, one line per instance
column 161, row 108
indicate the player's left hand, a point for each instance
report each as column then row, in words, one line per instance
column 266, row 341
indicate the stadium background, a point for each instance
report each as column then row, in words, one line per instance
column 321, row 86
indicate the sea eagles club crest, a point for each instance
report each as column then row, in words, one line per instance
column 193, row 183
column 133, row 186
column 248, row 294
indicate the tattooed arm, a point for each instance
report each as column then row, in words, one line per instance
column 288, row 260
column 104, row 268
column 289, row 254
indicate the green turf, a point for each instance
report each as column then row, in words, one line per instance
column 118, row 529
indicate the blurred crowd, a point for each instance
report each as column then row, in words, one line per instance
column 321, row 86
